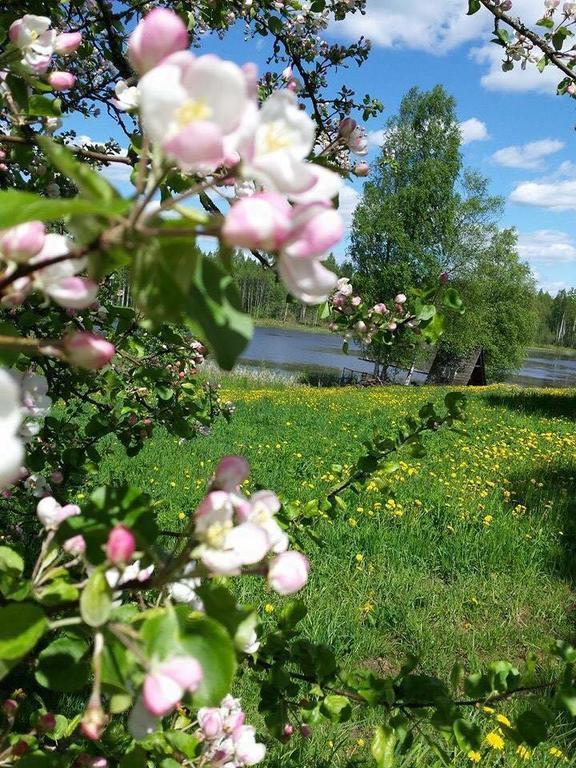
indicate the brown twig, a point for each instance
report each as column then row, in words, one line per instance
column 101, row 157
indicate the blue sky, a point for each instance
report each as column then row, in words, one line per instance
column 516, row 130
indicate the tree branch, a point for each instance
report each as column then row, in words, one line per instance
column 101, row 157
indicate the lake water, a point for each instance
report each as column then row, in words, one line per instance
column 288, row 350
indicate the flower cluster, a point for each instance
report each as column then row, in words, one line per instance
column 362, row 324
column 235, row 531
column 203, row 114
column 226, row 740
column 38, row 43
column 58, row 279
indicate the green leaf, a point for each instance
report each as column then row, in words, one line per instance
column 473, row 7
column 172, row 281
column 8, row 356
column 21, row 626
column 546, row 22
column 63, row 666
column 178, row 632
column 468, row 735
column 186, row 743
column 89, row 182
column 532, row 727
column 336, row 708
column 42, row 106
column 16, row 207
column 452, row 300
column 19, row 89
column 58, row 592
column 96, row 600
column 383, row 745
column 11, row 568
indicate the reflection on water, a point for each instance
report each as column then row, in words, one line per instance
column 322, row 353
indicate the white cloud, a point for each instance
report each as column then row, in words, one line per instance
column 440, row 26
column 473, row 130
column 436, row 26
column 349, row 199
column 550, row 286
column 528, row 156
column 376, row 138
column 555, row 196
column 548, row 246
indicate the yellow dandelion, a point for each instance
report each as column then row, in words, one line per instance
column 494, row 740
column 269, row 608
column 474, row 756
column 523, row 753
column 181, row 516
column 360, row 742
column 359, row 557
column 504, row 720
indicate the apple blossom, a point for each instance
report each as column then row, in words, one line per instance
column 160, row 33
column 127, row 97
column 121, row 545
column 32, row 34
column 276, row 147
column 226, row 547
column 67, row 42
column 326, row 186
column 61, row 81
column 167, row 683
column 23, row 241
column 260, row 221
column 357, row 141
column 400, row 298
column 51, row 513
column 184, row 590
column 190, row 106
column 11, row 448
column 86, row 350
column 288, row 572
column 225, row 738
column 58, row 280
column 306, row 279
column 263, row 506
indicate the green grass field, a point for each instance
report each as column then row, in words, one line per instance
column 469, row 558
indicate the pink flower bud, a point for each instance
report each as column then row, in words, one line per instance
column 288, row 572
column 305, row 731
column 75, row 546
column 10, row 707
column 166, row 685
column 380, row 309
column 361, row 169
column 46, row 722
column 260, row 221
column 347, row 127
column 67, row 43
column 2, row 154
column 160, row 33
column 20, row 748
column 120, row 545
column 356, row 301
column 93, row 723
column 61, row 81
column 444, row 278
column 288, row 730
column 400, row 299
column 85, row 350
column 230, row 472
column 22, row 242
column 3, row 167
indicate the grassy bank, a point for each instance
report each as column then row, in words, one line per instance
column 469, row 558
column 291, row 326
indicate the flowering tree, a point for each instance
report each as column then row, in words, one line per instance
column 148, row 635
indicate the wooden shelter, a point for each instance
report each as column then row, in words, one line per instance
column 468, row 371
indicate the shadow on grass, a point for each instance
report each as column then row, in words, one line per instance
column 535, row 403
column 549, row 495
